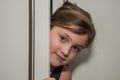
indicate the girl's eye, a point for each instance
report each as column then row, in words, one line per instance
column 76, row 49
column 63, row 39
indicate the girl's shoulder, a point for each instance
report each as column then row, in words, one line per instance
column 65, row 74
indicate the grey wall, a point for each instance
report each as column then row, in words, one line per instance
column 14, row 39
column 101, row 61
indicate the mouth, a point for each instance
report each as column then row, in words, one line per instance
column 60, row 57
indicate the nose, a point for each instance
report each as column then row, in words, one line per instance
column 66, row 50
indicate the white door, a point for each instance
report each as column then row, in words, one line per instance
column 14, row 39
column 42, row 27
column 14, row 31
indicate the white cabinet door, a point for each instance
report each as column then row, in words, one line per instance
column 14, row 39
column 42, row 19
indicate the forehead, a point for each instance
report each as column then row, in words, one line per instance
column 76, row 39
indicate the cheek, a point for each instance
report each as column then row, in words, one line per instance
column 71, row 57
column 54, row 44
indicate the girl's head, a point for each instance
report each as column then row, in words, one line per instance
column 70, row 14
column 71, row 30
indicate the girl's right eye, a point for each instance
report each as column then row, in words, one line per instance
column 62, row 38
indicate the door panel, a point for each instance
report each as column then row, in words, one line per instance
column 14, row 39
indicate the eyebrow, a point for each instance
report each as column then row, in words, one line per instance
column 68, row 36
column 71, row 40
column 80, row 46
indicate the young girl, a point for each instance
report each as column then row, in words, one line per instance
column 71, row 31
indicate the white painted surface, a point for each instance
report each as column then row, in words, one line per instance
column 42, row 16
column 14, row 39
column 103, row 60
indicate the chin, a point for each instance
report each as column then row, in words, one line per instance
column 55, row 64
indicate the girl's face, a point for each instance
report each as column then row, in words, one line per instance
column 65, row 45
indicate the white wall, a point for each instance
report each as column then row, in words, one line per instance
column 14, row 39
column 102, row 62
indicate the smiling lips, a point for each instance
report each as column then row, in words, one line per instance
column 62, row 58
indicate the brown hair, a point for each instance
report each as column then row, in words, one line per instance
column 70, row 14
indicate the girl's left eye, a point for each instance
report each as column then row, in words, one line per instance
column 76, row 49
